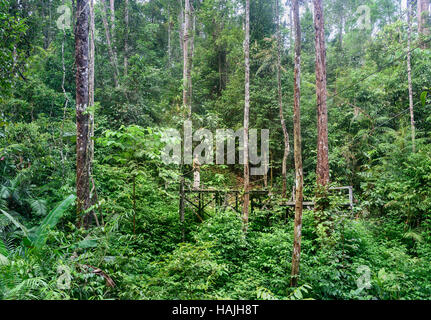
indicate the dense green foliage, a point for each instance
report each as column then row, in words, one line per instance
column 388, row 231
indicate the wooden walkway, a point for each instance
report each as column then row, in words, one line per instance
column 198, row 200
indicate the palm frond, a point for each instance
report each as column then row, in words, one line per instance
column 15, row 222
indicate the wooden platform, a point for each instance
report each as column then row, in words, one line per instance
column 198, row 200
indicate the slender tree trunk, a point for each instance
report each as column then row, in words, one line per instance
column 82, row 117
column 220, row 73
column 191, row 56
column 280, row 106
column 187, row 60
column 112, row 12
column 409, row 73
column 92, row 55
column 45, row 28
column 50, row 22
column 246, row 115
column 291, row 25
column 169, row 37
column 113, row 36
column 126, row 37
column 297, row 150
column 322, row 111
column 423, row 19
column 66, row 102
column 108, row 40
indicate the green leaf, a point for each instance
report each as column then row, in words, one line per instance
column 298, row 294
column 3, row 249
column 38, row 207
column 424, row 98
column 3, row 260
column 87, row 243
column 15, row 222
column 39, row 237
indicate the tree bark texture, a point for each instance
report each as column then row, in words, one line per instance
column 280, row 106
column 246, row 116
column 321, row 95
column 297, row 150
column 112, row 56
column 82, row 117
column 409, row 73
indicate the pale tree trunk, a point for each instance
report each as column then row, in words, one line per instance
column 409, row 73
column 82, row 117
column 322, row 111
column 423, row 19
column 92, row 54
column 112, row 12
column 291, row 25
column 114, row 42
column 191, row 56
column 187, row 60
column 108, row 40
column 246, row 115
column 297, row 150
column 280, row 106
column 169, row 37
column 126, row 37
column 66, row 102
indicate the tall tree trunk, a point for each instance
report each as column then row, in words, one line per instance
column 112, row 14
column 92, row 55
column 409, row 73
column 191, row 55
column 246, row 115
column 112, row 56
column 181, row 26
column 297, row 150
column 126, row 37
column 423, row 19
column 82, row 117
column 113, row 36
column 66, row 102
column 280, row 106
column 291, row 25
column 169, row 37
column 322, row 111
column 45, row 28
column 187, row 60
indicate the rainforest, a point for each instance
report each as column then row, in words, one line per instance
column 115, row 183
